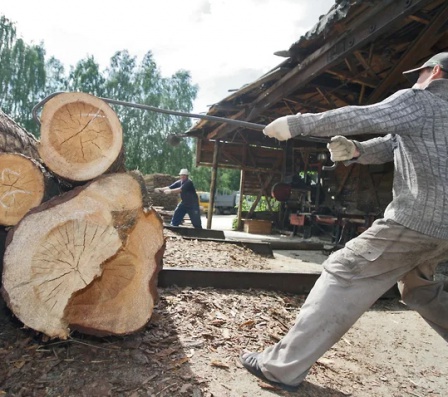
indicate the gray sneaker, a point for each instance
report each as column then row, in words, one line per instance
column 250, row 362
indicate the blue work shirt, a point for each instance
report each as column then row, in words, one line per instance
column 188, row 193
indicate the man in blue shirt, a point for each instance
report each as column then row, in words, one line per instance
column 189, row 200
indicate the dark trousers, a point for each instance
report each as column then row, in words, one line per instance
column 193, row 212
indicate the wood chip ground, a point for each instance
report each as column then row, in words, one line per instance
column 192, row 343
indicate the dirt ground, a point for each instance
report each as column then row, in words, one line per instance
column 192, row 343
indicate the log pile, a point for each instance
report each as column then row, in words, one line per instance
column 14, row 139
column 153, row 181
column 84, row 256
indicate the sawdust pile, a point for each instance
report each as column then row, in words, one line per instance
column 190, row 253
column 191, row 346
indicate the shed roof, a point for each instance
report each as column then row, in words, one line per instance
column 355, row 54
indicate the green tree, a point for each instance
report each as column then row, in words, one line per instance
column 56, row 80
column 178, row 95
column 146, row 132
column 26, row 77
column 201, row 177
column 22, row 75
column 87, row 77
column 229, row 180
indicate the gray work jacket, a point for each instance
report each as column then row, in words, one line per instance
column 414, row 125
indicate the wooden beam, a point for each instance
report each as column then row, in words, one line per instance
column 241, row 198
column 262, row 190
column 224, row 127
column 211, row 203
column 426, row 39
column 365, row 64
column 233, row 159
column 289, row 107
column 266, row 195
column 198, row 151
column 419, row 18
column 356, row 79
column 326, row 97
column 351, row 65
column 339, row 98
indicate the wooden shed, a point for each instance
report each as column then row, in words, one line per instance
column 354, row 55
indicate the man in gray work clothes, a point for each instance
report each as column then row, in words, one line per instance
column 405, row 246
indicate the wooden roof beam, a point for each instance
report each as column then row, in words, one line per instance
column 353, row 79
column 228, row 156
column 309, row 103
column 326, row 97
column 366, row 65
column 426, row 39
column 339, row 98
column 351, row 65
column 419, row 17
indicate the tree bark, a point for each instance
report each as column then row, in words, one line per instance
column 87, row 260
column 15, row 139
column 81, row 137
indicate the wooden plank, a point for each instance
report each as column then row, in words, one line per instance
column 296, row 283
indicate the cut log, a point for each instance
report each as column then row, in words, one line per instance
column 81, row 137
column 87, row 260
column 15, row 139
column 22, row 187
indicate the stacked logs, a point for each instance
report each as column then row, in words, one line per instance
column 153, row 181
column 84, row 247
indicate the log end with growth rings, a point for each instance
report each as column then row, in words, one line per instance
column 87, row 260
column 22, row 187
column 81, row 136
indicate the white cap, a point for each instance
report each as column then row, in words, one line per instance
column 184, row 171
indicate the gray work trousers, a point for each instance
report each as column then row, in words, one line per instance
column 353, row 278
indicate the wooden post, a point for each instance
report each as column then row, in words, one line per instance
column 211, row 203
column 241, row 199
column 239, row 225
column 282, row 211
column 262, row 191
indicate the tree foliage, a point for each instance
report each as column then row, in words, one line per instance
column 22, row 74
column 146, row 132
column 27, row 77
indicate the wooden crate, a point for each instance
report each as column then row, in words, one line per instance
column 296, row 220
column 257, row 226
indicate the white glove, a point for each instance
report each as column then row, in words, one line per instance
column 158, row 190
column 341, row 148
column 278, row 129
column 167, row 191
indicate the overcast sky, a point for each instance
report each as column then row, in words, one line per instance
column 223, row 43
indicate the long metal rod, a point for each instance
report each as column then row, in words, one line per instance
column 239, row 123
